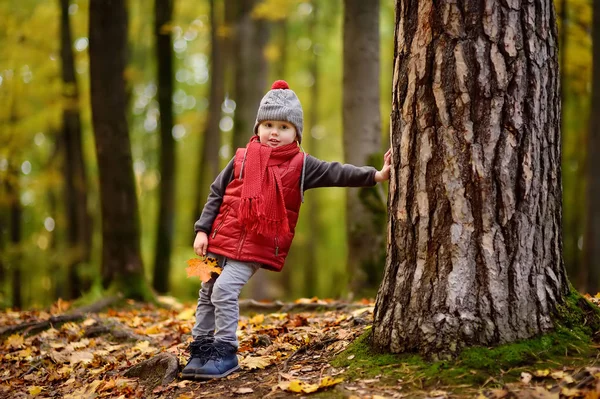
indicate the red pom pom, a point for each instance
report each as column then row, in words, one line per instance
column 280, row 84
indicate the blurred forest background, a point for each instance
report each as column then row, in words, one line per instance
column 193, row 52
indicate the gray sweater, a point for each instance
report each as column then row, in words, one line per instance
column 317, row 173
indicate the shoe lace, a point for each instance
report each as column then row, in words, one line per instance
column 220, row 350
column 201, row 348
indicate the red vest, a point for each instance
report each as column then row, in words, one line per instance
column 230, row 239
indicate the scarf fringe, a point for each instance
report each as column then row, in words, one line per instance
column 252, row 218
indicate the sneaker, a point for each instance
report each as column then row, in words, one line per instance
column 200, row 351
column 221, row 362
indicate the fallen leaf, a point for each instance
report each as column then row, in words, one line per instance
column 34, row 390
column 243, row 390
column 569, row 393
column 202, row 268
column 438, row 394
column 328, row 382
column 188, row 314
column 81, row 357
column 256, row 362
column 257, row 320
column 15, row 341
column 350, row 357
column 542, row 373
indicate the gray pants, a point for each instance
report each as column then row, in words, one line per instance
column 218, row 309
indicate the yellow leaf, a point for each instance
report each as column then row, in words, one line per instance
column 188, row 314
column 202, row 268
column 15, row 341
column 542, row 373
column 256, row 362
column 257, row 320
column 155, row 329
column 328, row 382
column 569, row 393
column 35, row 390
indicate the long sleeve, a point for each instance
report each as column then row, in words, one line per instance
column 215, row 198
column 334, row 174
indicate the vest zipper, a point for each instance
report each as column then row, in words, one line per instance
column 276, row 246
column 242, row 239
column 220, row 224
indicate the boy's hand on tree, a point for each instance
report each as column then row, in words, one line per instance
column 201, row 243
column 384, row 173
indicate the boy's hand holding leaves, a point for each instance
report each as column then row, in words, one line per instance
column 203, row 268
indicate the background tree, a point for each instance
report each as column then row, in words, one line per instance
column 208, row 165
column 251, row 71
column 122, row 265
column 592, row 232
column 311, row 276
column 475, row 249
column 79, row 230
column 163, row 11
column 362, row 137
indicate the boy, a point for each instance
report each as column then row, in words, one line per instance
column 249, row 219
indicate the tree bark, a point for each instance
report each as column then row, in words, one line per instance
column 362, row 137
column 474, row 233
column 251, row 72
column 79, row 231
column 163, row 11
column 121, row 261
column 209, row 151
column 592, row 232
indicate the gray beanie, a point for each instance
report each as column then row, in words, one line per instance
column 280, row 104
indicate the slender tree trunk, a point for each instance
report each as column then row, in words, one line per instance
column 251, row 72
column 362, row 136
column 122, row 265
column 475, row 249
column 209, row 152
column 16, row 212
column 282, row 27
column 592, row 232
column 230, row 46
column 163, row 11
column 311, row 276
column 79, row 232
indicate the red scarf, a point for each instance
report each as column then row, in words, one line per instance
column 262, row 208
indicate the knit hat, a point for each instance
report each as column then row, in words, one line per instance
column 280, row 104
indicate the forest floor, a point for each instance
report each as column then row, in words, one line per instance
column 292, row 350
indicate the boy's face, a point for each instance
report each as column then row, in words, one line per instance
column 276, row 133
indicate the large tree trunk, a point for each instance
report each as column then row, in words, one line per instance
column 163, row 10
column 79, row 231
column 592, row 232
column 209, row 153
column 121, row 261
column 475, row 250
column 362, row 137
column 251, row 71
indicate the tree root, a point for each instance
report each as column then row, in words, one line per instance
column 114, row 328
column 253, row 305
column 32, row 328
column 161, row 369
